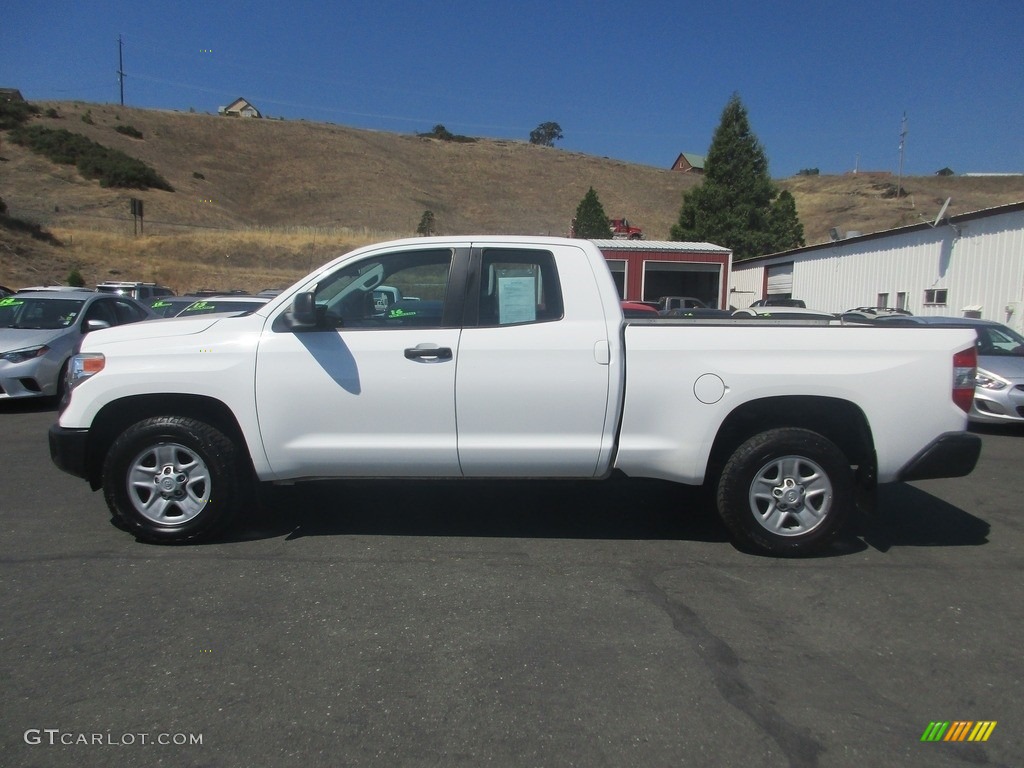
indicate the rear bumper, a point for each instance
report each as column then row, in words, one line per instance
column 69, row 450
column 953, row 454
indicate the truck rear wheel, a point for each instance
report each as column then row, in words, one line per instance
column 172, row 479
column 786, row 492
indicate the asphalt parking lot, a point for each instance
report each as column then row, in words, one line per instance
column 506, row 624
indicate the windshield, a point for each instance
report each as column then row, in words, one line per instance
column 999, row 341
column 49, row 314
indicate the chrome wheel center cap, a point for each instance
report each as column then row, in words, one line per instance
column 171, row 482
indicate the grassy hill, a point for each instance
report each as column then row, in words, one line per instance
column 257, row 203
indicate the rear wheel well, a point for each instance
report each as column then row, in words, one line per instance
column 839, row 421
column 115, row 417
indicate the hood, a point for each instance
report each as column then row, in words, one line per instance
column 20, row 338
column 1006, row 366
column 152, row 329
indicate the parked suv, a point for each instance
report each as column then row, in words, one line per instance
column 137, row 291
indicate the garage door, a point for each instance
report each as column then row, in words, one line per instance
column 780, row 279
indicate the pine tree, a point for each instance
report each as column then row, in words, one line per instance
column 736, row 204
column 427, row 225
column 591, row 221
column 785, row 227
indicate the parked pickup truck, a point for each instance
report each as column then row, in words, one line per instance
column 512, row 361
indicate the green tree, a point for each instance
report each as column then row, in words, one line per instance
column 591, row 221
column 785, row 228
column 75, row 278
column 546, row 134
column 737, row 204
column 427, row 224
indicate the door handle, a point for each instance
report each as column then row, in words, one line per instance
column 428, row 352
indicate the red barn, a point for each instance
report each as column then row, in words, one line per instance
column 645, row 270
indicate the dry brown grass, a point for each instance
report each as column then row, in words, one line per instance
column 277, row 198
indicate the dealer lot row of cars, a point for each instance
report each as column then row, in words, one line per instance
column 41, row 328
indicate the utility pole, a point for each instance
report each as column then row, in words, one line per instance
column 120, row 66
column 903, row 139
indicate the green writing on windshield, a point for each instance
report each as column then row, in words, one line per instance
column 11, row 302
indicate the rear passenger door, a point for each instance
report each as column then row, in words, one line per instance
column 532, row 379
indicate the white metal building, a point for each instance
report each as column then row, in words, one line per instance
column 968, row 265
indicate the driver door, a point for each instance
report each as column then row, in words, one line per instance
column 370, row 392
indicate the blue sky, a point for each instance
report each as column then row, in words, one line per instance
column 826, row 84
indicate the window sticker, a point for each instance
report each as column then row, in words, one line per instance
column 395, row 314
column 517, row 302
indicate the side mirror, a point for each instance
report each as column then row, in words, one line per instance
column 95, row 325
column 304, row 314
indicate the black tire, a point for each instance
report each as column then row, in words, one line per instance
column 195, row 476
column 786, row 492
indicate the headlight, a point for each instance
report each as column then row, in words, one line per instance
column 987, row 381
column 82, row 366
column 21, row 355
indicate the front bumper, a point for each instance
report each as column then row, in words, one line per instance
column 69, row 449
column 953, row 454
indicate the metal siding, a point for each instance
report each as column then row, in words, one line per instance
column 745, row 285
column 983, row 266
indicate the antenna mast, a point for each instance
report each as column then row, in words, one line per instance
column 903, row 139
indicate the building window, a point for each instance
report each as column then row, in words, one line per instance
column 901, row 300
column 883, row 300
column 935, row 296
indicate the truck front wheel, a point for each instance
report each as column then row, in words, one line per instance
column 172, row 479
column 786, row 492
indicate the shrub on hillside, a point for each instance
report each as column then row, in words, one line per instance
column 15, row 113
column 94, row 161
column 129, row 130
column 442, row 133
column 20, row 225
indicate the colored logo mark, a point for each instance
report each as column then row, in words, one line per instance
column 959, row 730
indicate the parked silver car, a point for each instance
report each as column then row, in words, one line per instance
column 39, row 331
column 999, row 394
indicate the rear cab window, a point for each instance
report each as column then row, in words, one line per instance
column 517, row 287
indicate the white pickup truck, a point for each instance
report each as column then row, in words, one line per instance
column 507, row 357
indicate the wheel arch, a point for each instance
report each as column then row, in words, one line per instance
column 115, row 417
column 840, row 421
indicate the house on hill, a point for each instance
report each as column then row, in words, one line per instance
column 240, row 108
column 11, row 94
column 687, row 162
